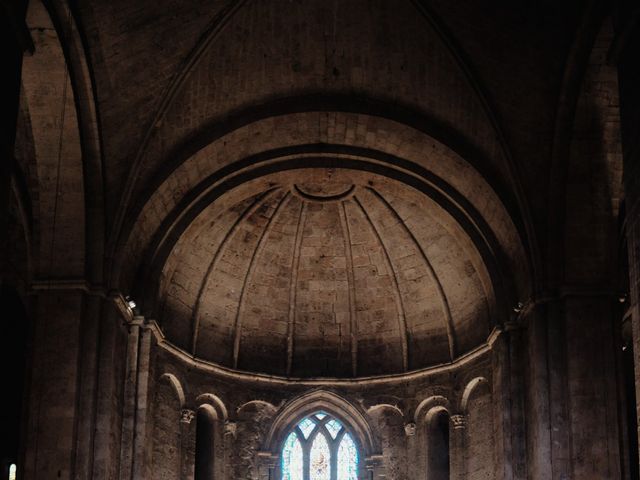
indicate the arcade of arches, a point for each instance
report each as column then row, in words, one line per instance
column 320, row 239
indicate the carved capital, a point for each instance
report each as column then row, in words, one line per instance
column 410, row 429
column 186, row 416
column 230, row 428
column 459, row 421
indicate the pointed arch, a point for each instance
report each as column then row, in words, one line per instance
column 322, row 400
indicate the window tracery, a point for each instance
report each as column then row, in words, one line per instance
column 319, row 447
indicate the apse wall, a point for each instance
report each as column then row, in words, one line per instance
column 389, row 417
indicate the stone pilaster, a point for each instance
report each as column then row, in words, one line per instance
column 267, row 465
column 187, row 443
column 374, row 465
column 457, row 447
column 129, row 404
column 142, row 405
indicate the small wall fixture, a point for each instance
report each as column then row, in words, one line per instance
column 130, row 302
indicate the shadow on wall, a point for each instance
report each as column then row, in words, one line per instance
column 14, row 332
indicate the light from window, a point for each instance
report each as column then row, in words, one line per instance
column 12, row 472
column 319, row 448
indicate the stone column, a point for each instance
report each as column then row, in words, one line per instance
column 142, row 404
column 457, row 447
column 187, row 443
column 129, row 403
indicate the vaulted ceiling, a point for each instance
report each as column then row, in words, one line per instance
column 420, row 143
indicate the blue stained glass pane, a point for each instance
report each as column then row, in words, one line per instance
column 320, row 458
column 320, row 415
column 334, row 427
column 347, row 459
column 292, row 458
column 307, row 425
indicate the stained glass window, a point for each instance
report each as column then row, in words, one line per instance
column 307, row 426
column 292, row 458
column 319, row 448
column 319, row 467
column 347, row 459
column 334, row 427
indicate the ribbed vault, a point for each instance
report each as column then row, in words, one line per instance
column 325, row 272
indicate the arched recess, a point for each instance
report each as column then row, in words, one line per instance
column 218, row 408
column 428, row 404
column 432, row 446
column 209, row 447
column 477, row 404
column 322, row 400
column 206, row 442
column 167, row 435
column 172, row 380
column 468, row 391
column 438, row 452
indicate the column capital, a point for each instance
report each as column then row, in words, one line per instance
column 459, row 421
column 187, row 415
column 410, row 429
column 230, row 428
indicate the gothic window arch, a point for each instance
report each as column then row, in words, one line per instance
column 319, row 447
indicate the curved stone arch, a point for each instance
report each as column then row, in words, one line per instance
column 59, row 239
column 80, row 76
column 385, row 407
column 260, row 403
column 427, row 407
column 468, row 391
column 214, row 405
column 586, row 62
column 175, row 384
column 218, row 159
column 304, row 405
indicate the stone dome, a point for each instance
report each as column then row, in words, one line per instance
column 324, row 272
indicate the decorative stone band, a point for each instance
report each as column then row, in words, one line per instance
column 186, row 416
column 459, row 422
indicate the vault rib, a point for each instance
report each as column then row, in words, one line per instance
column 295, row 262
column 446, row 310
column 402, row 320
column 195, row 318
column 346, row 235
column 249, row 276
